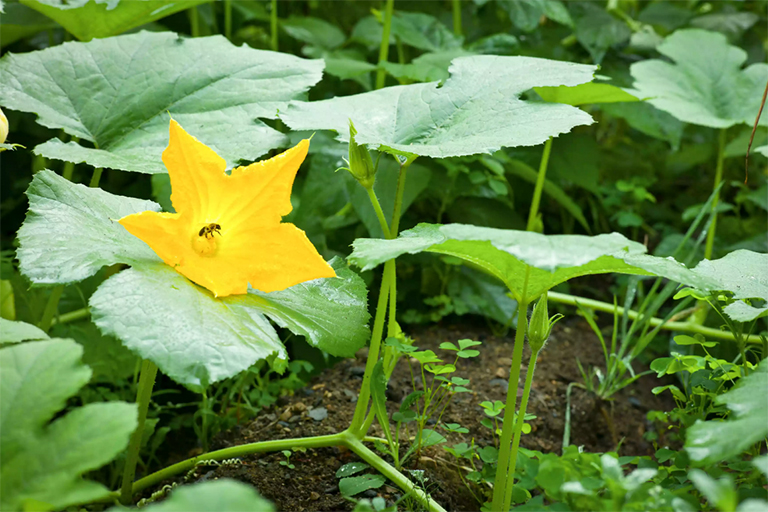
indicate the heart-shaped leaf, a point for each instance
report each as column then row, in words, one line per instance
column 87, row 19
column 42, row 460
column 705, row 85
column 214, row 89
column 71, row 232
column 476, row 110
column 517, row 257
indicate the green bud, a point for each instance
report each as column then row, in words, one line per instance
column 360, row 162
column 540, row 325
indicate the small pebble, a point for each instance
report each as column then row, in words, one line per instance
column 314, row 496
column 318, row 414
column 500, row 382
column 294, row 419
column 283, row 424
column 331, row 490
column 370, row 493
column 357, row 371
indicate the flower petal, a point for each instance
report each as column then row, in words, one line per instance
column 162, row 233
column 196, row 172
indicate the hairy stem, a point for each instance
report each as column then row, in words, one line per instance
column 509, row 414
column 146, row 383
column 519, row 431
column 381, row 74
column 718, row 178
column 540, row 180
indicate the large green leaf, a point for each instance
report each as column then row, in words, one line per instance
column 214, row 89
column 88, row 19
column 712, row 441
column 476, row 110
column 742, row 273
column 527, row 14
column 71, row 231
column 196, row 339
column 15, row 332
column 19, row 21
column 314, row 31
column 705, row 85
column 41, row 461
column 512, row 255
column 422, row 31
column 222, row 495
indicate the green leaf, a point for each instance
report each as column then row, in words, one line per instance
column 224, row 495
column 464, row 116
column 712, row 441
column 584, row 94
column 742, row 273
column 527, row 14
column 86, row 19
column 597, row 30
column 19, row 21
column 683, row 339
column 428, row 67
column 425, row 357
column 214, row 89
column 732, row 24
column 331, row 313
column 191, row 336
column 106, row 356
column 357, row 484
column 646, row 118
column 721, row 493
column 15, row 332
column 71, row 231
column 423, row 31
column 42, row 460
column 314, row 31
column 351, row 469
column 705, row 85
column 197, row 339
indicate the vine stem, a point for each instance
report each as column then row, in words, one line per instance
column 228, row 19
column 50, row 308
column 710, row 333
column 146, row 383
column 273, row 25
column 519, row 430
column 456, row 4
column 540, row 180
column 718, row 178
column 96, row 177
column 381, row 74
column 72, row 316
column 507, row 428
column 379, row 212
column 194, row 21
column 346, row 439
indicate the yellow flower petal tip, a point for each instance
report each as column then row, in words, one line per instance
column 227, row 231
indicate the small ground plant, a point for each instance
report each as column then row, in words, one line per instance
column 120, row 311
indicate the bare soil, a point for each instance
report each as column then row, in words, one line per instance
column 312, row 485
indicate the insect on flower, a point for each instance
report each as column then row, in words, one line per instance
column 227, row 232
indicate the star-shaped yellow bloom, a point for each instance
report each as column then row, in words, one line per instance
column 227, row 230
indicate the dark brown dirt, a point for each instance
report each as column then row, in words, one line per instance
column 312, row 485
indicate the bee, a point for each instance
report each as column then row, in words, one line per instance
column 210, row 230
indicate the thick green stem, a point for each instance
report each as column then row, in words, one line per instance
column 273, row 25
column 395, row 225
column 146, row 383
column 240, row 451
column 51, row 307
column 72, row 316
column 379, row 212
column 381, row 74
column 519, row 431
column 373, row 350
column 718, row 178
column 540, row 180
column 96, row 178
column 693, row 327
column 392, row 474
column 228, row 19
column 194, row 21
column 509, row 411
column 456, row 17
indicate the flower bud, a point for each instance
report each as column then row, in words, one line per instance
column 540, row 325
column 360, row 162
column 3, row 127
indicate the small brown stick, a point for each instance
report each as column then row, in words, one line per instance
column 752, row 137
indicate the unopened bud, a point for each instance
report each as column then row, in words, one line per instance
column 540, row 325
column 3, row 127
column 360, row 162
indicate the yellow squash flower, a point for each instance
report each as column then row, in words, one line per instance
column 227, row 230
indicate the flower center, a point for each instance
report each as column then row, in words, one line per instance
column 205, row 243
